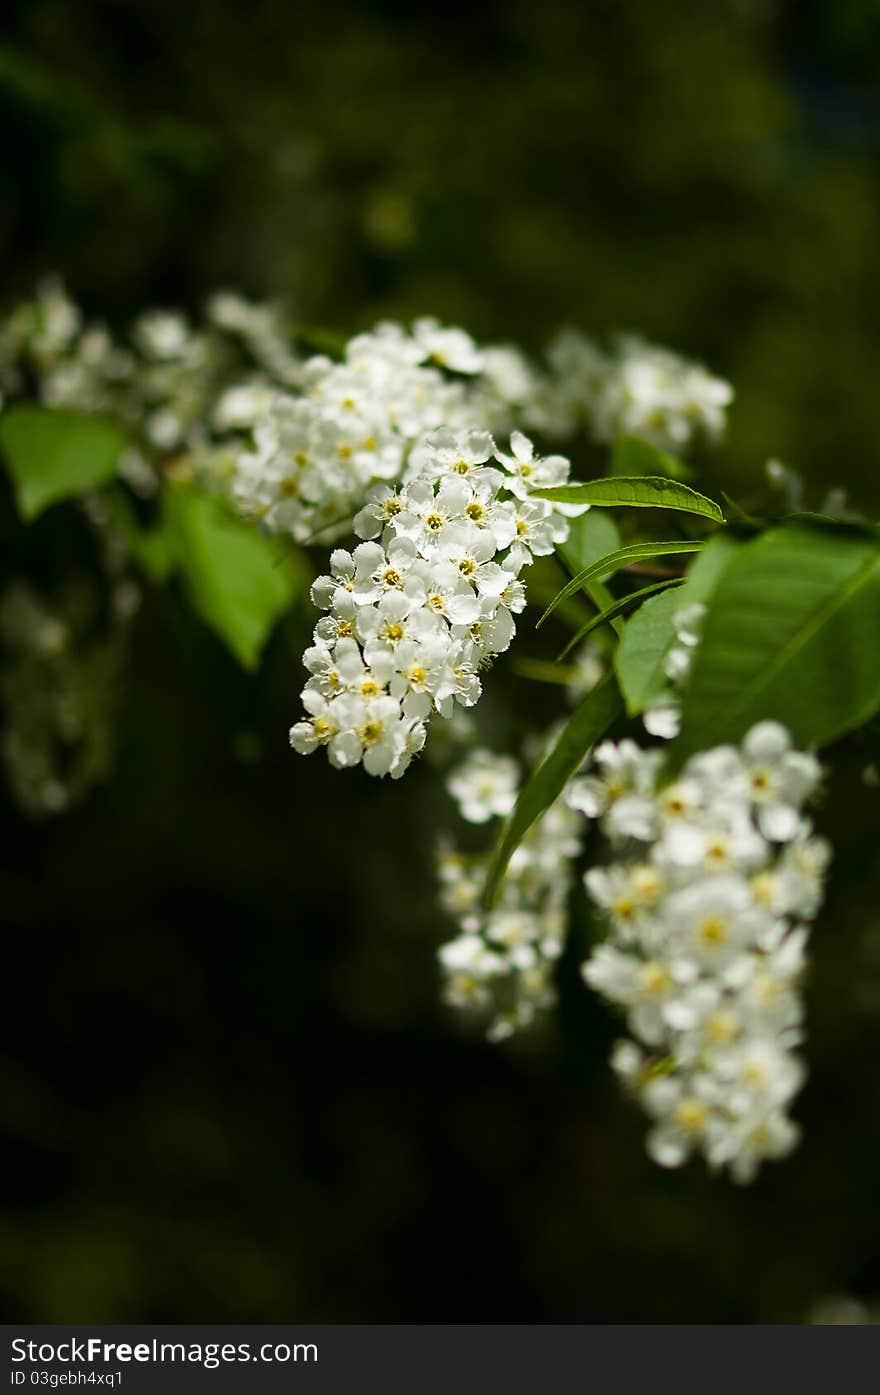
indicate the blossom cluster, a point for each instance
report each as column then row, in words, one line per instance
column 297, row 439
column 501, row 964
column 712, row 878
column 179, row 387
column 635, row 388
column 316, row 453
column 427, row 599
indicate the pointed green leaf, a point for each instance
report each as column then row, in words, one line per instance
column 56, row 454
column 639, row 659
column 792, row 633
column 231, row 571
column 617, row 608
column 590, row 536
column 641, row 654
column 639, row 492
column 634, row 552
column 586, row 725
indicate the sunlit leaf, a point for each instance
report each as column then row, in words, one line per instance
column 234, row 576
column 635, row 492
column 56, row 454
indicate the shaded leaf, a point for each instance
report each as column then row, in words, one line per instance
column 152, row 547
column 586, row 725
column 604, row 566
column 618, row 607
column 56, row 454
column 641, row 654
column 639, row 659
column 592, row 535
column 791, row 634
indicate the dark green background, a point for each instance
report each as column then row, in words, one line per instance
column 226, row 1088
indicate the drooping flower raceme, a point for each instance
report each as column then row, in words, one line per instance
column 420, row 606
column 712, row 879
column 500, row 966
column 637, row 388
column 354, row 424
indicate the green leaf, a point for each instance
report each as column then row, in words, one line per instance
column 150, row 547
column 586, row 725
column 633, row 456
column 640, row 656
column 639, row 659
column 590, row 536
column 617, row 608
column 792, row 634
column 706, row 570
column 55, row 454
column 231, row 571
column 641, row 492
column 633, row 552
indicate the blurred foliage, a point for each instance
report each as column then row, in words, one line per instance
column 227, row 1090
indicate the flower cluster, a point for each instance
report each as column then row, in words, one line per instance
column 501, row 964
column 712, row 878
column 179, row 387
column 315, row 454
column 427, row 599
column 637, row 389
column 296, row 441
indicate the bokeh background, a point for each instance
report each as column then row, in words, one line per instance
column 227, row 1090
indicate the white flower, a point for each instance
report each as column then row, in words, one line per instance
column 162, row 334
column 470, row 966
column 622, row 790
column 484, row 786
column 663, row 719
column 368, row 729
column 383, row 504
column 243, row 406
column 529, row 471
column 780, row 779
column 463, row 453
column 685, row 1120
column 429, row 510
column 758, row 1073
column 743, row 1144
column 711, row 920
column 724, row 840
column 451, row 348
